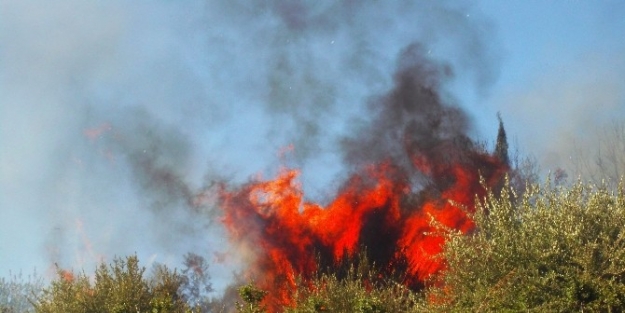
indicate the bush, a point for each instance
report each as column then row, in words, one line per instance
column 119, row 287
column 554, row 249
column 252, row 299
column 16, row 293
column 361, row 290
column 357, row 289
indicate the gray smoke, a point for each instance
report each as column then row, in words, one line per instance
column 414, row 118
column 116, row 117
column 566, row 119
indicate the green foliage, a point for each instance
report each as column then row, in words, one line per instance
column 118, row 288
column 361, row 290
column 551, row 249
column 501, row 148
column 554, row 249
column 196, row 283
column 17, row 292
column 252, row 298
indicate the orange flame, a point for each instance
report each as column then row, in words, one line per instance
column 375, row 209
column 66, row 276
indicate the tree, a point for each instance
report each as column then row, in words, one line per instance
column 252, row 299
column 16, row 293
column 555, row 249
column 361, row 290
column 501, row 147
column 523, row 169
column 196, row 283
column 118, row 287
column 606, row 161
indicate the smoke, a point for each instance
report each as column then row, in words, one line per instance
column 414, row 117
column 413, row 131
column 562, row 78
column 98, row 157
column 116, row 117
column 561, row 119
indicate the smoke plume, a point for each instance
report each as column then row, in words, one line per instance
column 413, row 167
column 117, row 118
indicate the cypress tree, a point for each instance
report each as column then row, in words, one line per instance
column 501, row 148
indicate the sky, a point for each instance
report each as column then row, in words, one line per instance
column 115, row 115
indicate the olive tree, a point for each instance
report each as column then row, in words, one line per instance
column 116, row 288
column 605, row 160
column 554, row 249
column 17, row 292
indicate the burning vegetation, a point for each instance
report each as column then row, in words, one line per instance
column 425, row 222
column 109, row 107
column 416, row 173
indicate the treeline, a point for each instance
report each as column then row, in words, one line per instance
column 554, row 248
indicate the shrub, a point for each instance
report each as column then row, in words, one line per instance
column 118, row 287
column 553, row 249
column 360, row 291
column 16, row 293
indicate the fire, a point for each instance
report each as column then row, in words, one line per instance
column 414, row 172
column 376, row 209
column 66, row 276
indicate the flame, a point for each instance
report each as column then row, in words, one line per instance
column 66, row 275
column 86, row 253
column 285, row 236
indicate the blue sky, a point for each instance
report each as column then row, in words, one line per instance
column 99, row 100
column 561, row 73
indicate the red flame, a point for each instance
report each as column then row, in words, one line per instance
column 376, row 209
column 66, row 275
